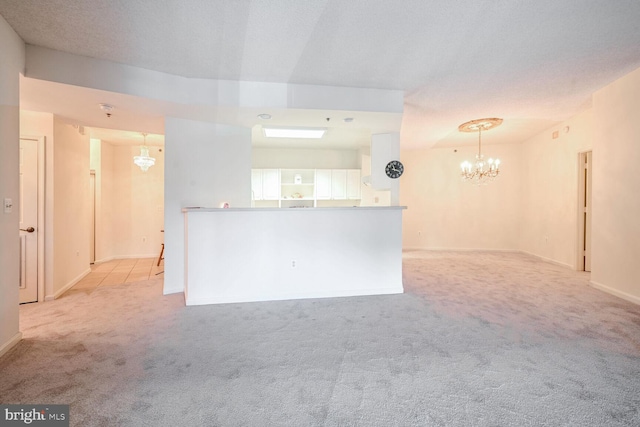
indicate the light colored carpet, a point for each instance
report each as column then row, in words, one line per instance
column 478, row 339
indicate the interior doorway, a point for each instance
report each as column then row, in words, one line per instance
column 584, row 211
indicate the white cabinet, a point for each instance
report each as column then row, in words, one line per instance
column 338, row 184
column 304, row 187
column 323, row 184
column 265, row 184
column 271, row 184
column 256, row 184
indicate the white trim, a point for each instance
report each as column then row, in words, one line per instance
column 10, row 344
column 552, row 261
column 67, row 286
column 625, row 296
column 41, row 216
column 416, row 248
column 112, row 258
column 107, row 259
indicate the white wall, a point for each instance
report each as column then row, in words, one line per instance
column 445, row 212
column 240, row 255
column 616, row 182
column 71, row 208
column 548, row 226
column 207, row 164
column 11, row 65
column 129, row 202
column 138, row 199
column 105, row 240
column 300, row 158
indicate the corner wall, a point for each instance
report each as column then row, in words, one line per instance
column 11, row 65
column 207, row 164
column 616, row 180
column 71, row 207
column 549, row 193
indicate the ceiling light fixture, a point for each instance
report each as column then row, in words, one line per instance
column 303, row 133
column 143, row 160
column 264, row 116
column 480, row 172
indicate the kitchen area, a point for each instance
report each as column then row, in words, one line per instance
column 326, row 229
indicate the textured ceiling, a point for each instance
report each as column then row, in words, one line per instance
column 534, row 63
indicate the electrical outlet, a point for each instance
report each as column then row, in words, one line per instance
column 293, row 264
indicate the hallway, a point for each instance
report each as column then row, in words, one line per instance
column 118, row 272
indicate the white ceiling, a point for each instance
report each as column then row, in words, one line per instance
column 533, row 63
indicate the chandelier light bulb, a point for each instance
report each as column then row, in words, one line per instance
column 477, row 172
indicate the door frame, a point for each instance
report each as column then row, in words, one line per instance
column 41, row 211
column 583, row 188
column 92, row 242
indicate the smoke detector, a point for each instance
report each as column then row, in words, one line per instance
column 106, row 108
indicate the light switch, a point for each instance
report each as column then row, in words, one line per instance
column 8, row 205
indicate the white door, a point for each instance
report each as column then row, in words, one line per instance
column 28, row 221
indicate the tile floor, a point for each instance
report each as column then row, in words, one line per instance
column 120, row 271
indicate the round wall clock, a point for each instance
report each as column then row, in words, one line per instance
column 394, row 169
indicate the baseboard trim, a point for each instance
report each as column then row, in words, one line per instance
column 625, row 296
column 416, row 248
column 552, row 261
column 154, row 255
column 111, row 258
column 68, row 286
column 233, row 299
column 10, row 344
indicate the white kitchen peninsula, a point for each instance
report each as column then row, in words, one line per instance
column 262, row 254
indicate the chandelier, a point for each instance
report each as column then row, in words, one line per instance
column 143, row 160
column 481, row 171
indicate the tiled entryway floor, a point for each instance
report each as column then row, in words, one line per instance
column 120, row 271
